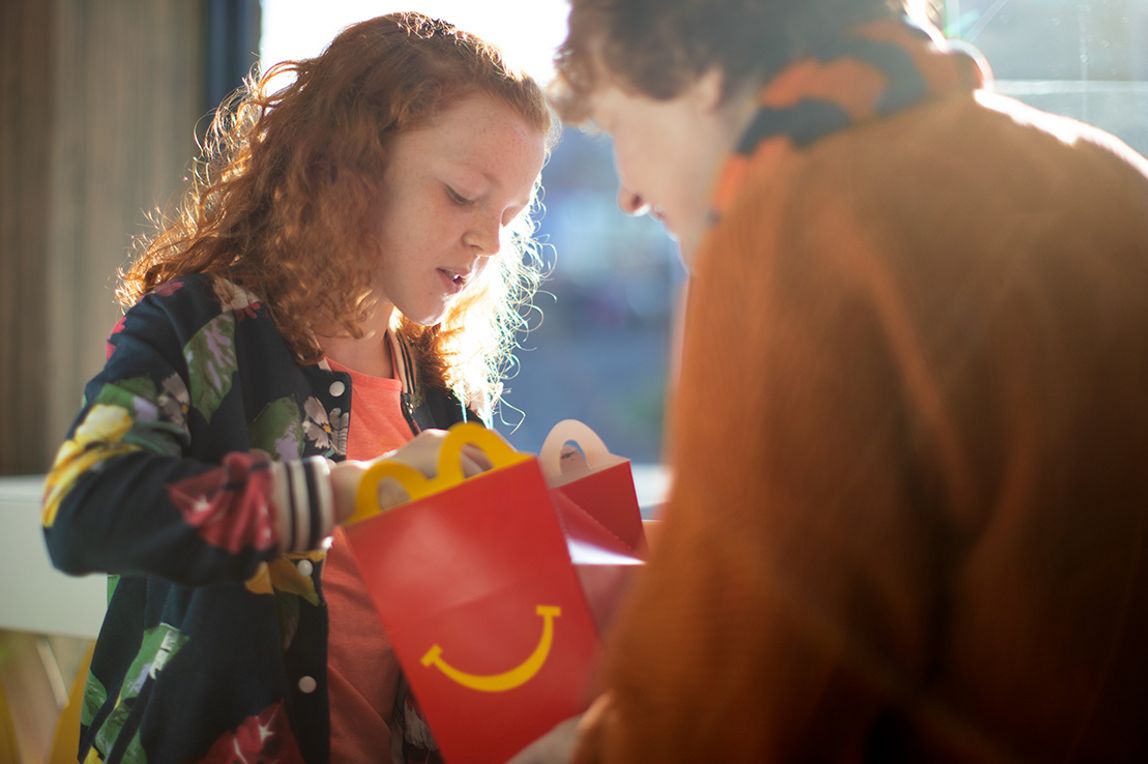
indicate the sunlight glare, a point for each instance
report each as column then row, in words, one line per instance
column 527, row 32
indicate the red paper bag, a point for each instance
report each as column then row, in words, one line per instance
column 474, row 585
column 596, row 503
column 600, row 483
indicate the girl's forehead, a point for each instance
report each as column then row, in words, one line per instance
column 478, row 123
column 483, row 138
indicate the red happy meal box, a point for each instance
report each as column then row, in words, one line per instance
column 482, row 586
column 594, row 498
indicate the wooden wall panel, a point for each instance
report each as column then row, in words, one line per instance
column 99, row 103
column 26, row 80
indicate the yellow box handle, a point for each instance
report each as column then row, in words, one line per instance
column 449, row 472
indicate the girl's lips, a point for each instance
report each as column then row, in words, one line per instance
column 454, row 282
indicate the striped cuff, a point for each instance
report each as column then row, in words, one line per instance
column 304, row 502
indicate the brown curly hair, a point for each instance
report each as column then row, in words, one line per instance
column 657, row 47
column 289, row 178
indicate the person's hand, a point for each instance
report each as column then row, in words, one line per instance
column 555, row 747
column 421, row 453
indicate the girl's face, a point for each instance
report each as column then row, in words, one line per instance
column 449, row 189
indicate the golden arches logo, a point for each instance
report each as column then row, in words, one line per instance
column 507, row 680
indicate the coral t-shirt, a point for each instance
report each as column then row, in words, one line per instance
column 362, row 671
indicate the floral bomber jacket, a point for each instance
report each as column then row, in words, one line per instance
column 196, row 475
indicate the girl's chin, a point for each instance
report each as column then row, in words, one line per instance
column 425, row 317
column 429, row 311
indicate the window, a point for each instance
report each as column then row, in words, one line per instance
column 1085, row 59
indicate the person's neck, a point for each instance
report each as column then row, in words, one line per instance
column 369, row 354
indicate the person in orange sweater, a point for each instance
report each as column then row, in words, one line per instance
column 909, row 519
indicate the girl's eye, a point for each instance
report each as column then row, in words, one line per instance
column 458, row 198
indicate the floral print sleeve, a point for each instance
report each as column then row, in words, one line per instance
column 140, row 486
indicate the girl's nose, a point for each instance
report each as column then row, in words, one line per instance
column 484, row 239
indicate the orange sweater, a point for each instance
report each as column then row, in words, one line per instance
column 910, row 446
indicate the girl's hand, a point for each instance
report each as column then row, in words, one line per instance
column 421, row 453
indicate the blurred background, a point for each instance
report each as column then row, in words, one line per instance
column 100, row 104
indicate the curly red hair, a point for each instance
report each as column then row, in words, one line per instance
column 289, row 178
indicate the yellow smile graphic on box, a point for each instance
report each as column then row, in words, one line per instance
column 507, row 680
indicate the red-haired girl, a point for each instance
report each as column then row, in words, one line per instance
column 345, row 270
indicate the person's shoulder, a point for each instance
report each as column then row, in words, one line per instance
column 187, row 289
column 978, row 144
column 200, row 297
column 1068, row 132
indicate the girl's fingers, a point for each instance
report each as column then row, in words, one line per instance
column 571, row 458
column 391, row 494
column 477, row 457
column 421, row 452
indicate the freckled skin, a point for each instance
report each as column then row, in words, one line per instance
column 448, row 190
